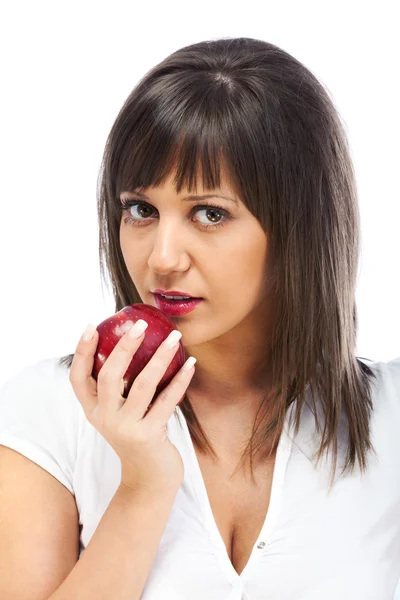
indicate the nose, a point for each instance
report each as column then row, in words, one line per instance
column 168, row 252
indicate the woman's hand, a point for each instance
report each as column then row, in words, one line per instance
column 149, row 460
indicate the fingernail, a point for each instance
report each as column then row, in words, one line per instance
column 189, row 363
column 138, row 328
column 89, row 332
column 173, row 338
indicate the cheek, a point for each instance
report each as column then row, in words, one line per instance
column 123, row 240
column 250, row 257
column 130, row 257
column 247, row 266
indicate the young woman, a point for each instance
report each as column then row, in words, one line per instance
column 227, row 177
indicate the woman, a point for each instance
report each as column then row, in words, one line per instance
column 277, row 476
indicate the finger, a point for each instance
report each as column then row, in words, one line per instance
column 80, row 374
column 144, row 387
column 165, row 403
column 110, row 378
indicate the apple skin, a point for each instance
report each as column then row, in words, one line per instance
column 159, row 327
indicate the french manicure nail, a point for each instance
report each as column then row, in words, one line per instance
column 89, row 332
column 189, row 363
column 173, row 338
column 138, row 328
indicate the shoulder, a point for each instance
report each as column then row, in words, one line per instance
column 39, row 386
column 45, row 371
column 39, row 417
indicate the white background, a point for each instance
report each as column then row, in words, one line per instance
column 67, row 68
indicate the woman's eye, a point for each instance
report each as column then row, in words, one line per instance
column 144, row 211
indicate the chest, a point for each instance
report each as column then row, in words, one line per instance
column 239, row 506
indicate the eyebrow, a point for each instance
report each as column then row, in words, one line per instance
column 191, row 198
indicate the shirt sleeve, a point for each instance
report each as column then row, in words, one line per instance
column 39, row 418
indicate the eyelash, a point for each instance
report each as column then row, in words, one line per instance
column 126, row 204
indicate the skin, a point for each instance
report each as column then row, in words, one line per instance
column 225, row 265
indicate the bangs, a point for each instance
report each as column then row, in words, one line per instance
column 192, row 142
column 192, row 160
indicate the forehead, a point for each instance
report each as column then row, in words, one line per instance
column 198, row 190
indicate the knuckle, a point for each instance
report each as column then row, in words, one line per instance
column 74, row 378
column 158, row 363
column 80, row 351
column 106, row 375
column 141, row 437
column 165, row 395
column 126, row 342
column 128, row 434
column 153, row 371
column 142, row 382
column 142, row 441
column 123, row 346
column 74, row 383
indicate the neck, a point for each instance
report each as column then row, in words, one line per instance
column 228, row 421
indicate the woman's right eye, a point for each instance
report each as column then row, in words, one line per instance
column 136, row 205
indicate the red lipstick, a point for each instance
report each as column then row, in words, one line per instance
column 176, row 308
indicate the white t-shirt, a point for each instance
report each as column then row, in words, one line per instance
column 314, row 545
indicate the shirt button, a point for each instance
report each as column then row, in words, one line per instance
column 261, row 545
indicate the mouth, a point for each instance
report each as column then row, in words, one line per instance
column 176, row 307
column 175, row 295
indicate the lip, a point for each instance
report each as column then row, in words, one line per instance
column 175, row 308
column 174, row 293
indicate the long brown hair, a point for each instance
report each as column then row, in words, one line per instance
column 252, row 107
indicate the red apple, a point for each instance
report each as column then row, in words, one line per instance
column 112, row 329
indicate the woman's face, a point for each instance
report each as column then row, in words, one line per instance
column 167, row 245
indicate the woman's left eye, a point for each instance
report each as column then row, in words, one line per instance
column 126, row 205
